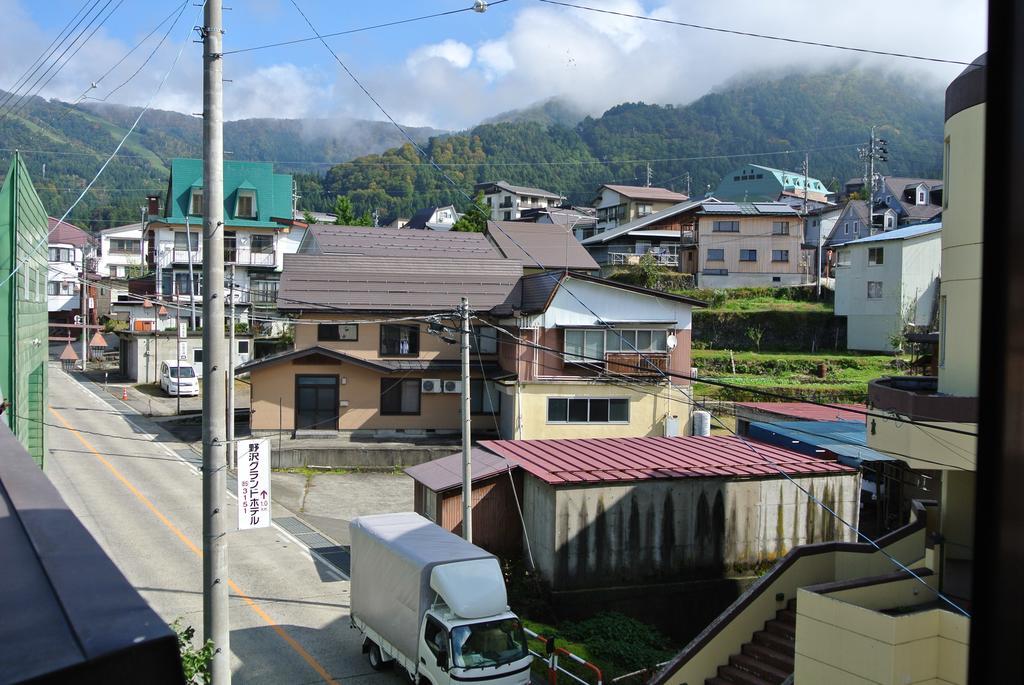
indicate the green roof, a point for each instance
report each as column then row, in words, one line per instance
column 756, row 183
column 273, row 191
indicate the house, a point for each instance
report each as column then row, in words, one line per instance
column 897, row 202
column 551, row 348
column 540, row 246
column 582, row 221
column 618, row 204
column 23, row 308
column 121, row 253
column 853, row 613
column 140, row 353
column 258, row 232
column 750, row 244
column 668, row 234
column 756, row 183
column 886, row 283
column 611, row 512
column 433, row 218
column 71, row 258
column 507, row 202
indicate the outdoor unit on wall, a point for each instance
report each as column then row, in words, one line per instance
column 430, row 385
column 453, row 386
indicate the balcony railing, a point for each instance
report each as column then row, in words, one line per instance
column 257, row 258
column 637, row 363
column 626, row 258
column 182, row 256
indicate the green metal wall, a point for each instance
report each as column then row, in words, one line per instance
column 23, row 315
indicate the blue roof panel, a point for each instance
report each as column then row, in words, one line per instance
column 846, row 439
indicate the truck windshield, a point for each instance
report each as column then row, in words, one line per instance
column 488, row 644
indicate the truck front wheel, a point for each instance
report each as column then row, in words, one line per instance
column 377, row 662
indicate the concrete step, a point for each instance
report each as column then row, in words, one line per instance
column 773, row 641
column 786, row 616
column 782, row 629
column 761, row 669
column 778, row 659
column 718, row 681
column 740, row 677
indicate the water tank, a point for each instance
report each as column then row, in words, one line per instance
column 671, row 426
column 702, row 423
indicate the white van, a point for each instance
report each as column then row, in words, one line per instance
column 179, row 378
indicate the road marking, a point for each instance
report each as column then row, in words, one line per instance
column 288, row 639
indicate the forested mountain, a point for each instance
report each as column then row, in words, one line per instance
column 826, row 113
column 545, row 145
column 65, row 145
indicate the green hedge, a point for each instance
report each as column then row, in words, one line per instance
column 784, row 331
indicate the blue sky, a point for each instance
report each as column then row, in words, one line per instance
column 453, row 71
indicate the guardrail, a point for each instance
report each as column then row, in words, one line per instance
column 550, row 657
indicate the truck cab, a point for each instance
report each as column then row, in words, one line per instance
column 457, row 650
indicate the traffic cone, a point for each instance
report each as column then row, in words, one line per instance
column 124, row 394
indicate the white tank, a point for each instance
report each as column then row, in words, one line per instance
column 702, row 423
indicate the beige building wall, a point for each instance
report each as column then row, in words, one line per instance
column 937, row 449
column 960, row 331
column 843, row 638
column 368, row 344
column 755, row 234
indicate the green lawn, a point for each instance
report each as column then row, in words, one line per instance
column 771, row 304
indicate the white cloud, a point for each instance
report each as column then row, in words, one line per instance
column 453, row 52
column 282, row 91
column 496, row 59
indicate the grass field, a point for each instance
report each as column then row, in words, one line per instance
column 771, row 304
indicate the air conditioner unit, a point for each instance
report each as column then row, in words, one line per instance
column 453, row 386
column 430, row 385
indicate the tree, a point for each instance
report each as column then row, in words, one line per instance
column 308, row 217
column 756, row 333
column 648, row 272
column 343, row 214
column 474, row 220
column 365, row 220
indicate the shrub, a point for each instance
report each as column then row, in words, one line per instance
column 194, row 662
column 621, row 642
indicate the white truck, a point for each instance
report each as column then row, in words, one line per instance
column 434, row 603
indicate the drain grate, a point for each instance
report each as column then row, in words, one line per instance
column 334, row 554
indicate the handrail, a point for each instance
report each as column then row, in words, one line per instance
column 551, row 658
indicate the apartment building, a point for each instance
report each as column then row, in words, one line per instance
column 71, row 256
column 617, row 204
column 507, row 202
column 750, row 244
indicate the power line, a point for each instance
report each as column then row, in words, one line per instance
column 763, row 36
column 360, row 29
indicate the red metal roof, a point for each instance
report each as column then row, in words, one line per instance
column 609, row 460
column 63, row 233
column 805, row 411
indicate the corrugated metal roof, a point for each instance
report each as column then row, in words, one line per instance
column 647, row 193
column 518, row 190
column 749, row 208
column 552, row 245
column 846, row 439
column 807, row 411
column 643, row 221
column 445, row 473
column 63, row 233
column 395, row 283
column 372, row 241
column 610, row 460
column 904, row 233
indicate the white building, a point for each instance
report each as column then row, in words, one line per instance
column 433, row 218
column 71, row 252
column 120, row 254
column 507, row 201
column 886, row 282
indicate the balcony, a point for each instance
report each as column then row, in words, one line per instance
column 917, row 398
column 650, row 363
column 632, row 258
column 182, row 256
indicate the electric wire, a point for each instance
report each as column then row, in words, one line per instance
column 763, row 36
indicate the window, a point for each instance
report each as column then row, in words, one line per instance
column 508, row 216
column 780, row 228
column 588, row 410
column 874, row 290
column 53, row 288
column 484, row 340
column 399, row 340
column 399, row 396
column 643, row 209
column 62, row 254
column 876, row 256
column 890, row 220
column 243, row 346
column 725, row 227
column 631, row 340
column 748, row 255
column 435, row 635
column 483, row 645
column 843, row 258
column 263, row 292
column 245, row 204
column 846, row 228
column 780, row 255
column 197, row 356
column 337, row 332
column 261, row 243
column 181, row 283
column 484, row 397
column 182, row 240
column 124, row 246
column 195, row 206
column 716, row 254
column 856, row 227
column 584, row 346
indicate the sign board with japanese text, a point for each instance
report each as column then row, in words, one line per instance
column 253, row 483
column 183, row 350
column 182, row 329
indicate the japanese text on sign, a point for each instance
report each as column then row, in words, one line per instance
column 253, row 484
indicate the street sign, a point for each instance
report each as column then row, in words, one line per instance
column 183, row 350
column 253, row 483
column 182, row 329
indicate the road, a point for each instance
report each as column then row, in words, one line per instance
column 125, row 479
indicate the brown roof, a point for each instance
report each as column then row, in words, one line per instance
column 372, row 241
column 553, row 246
column 646, row 193
column 393, row 283
column 446, row 473
column 63, row 233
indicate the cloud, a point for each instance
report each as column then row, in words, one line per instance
column 283, row 91
column 453, row 52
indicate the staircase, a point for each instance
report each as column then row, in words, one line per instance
column 768, row 658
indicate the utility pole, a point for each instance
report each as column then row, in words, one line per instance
column 83, row 285
column 191, row 274
column 231, row 370
column 877, row 149
column 467, row 468
column 688, row 184
column 216, row 625
column 648, row 182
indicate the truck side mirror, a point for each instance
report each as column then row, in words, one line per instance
column 442, row 660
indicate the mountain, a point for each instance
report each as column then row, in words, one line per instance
column 64, row 146
column 556, row 110
column 764, row 120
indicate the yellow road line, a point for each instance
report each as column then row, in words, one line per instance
column 282, row 633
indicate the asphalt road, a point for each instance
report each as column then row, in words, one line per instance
column 124, row 477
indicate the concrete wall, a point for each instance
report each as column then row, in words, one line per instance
column 843, row 637
column 680, row 529
column 960, row 342
column 940, row 449
column 143, row 354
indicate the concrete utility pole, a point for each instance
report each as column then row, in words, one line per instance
column 467, row 467
column 191, row 274
column 649, row 174
column 877, row 149
column 83, row 285
column 216, row 625
column 231, row 371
